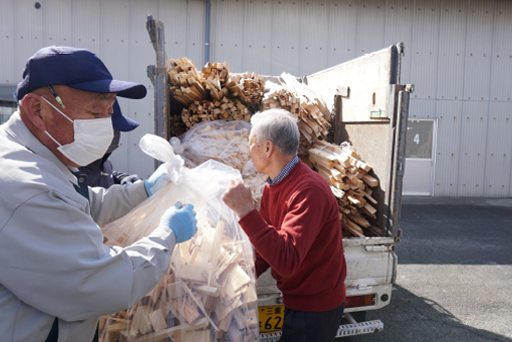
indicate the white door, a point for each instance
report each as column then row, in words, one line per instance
column 419, row 157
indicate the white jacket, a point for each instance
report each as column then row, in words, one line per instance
column 53, row 262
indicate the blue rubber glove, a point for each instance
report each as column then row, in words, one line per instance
column 181, row 220
column 157, row 180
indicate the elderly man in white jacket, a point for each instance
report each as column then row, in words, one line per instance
column 56, row 275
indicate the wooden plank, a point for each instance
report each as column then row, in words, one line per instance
column 371, row 181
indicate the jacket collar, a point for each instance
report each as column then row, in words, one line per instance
column 16, row 128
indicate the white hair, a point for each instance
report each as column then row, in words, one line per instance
column 278, row 126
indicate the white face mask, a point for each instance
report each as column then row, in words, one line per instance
column 92, row 139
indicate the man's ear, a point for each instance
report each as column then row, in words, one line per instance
column 269, row 148
column 31, row 107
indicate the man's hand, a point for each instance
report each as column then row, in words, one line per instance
column 181, row 220
column 157, row 180
column 239, row 198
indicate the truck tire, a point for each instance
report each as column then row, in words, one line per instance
column 359, row 316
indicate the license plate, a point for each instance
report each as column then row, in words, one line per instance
column 271, row 318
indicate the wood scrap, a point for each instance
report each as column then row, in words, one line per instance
column 186, row 83
column 248, row 87
column 213, row 93
column 198, row 303
column 350, row 183
column 299, row 100
column 223, row 109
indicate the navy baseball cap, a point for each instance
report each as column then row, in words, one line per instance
column 76, row 68
column 121, row 122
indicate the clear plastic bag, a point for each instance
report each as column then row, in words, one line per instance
column 209, row 292
column 226, row 142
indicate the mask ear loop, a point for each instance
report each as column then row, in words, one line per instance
column 48, row 134
column 57, row 109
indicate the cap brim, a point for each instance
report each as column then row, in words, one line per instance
column 121, row 122
column 122, row 88
column 124, row 124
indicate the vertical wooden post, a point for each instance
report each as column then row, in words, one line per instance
column 159, row 76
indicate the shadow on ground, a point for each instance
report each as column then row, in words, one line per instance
column 410, row 318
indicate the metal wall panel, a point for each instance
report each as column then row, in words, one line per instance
column 478, row 50
column 227, row 35
column 141, row 54
column 86, row 28
column 114, row 51
column 8, row 40
column 258, row 37
column 57, row 13
column 473, row 146
column 399, row 21
column 313, row 53
column 446, row 173
column 499, row 149
column 341, row 34
column 28, row 37
column 370, row 26
column 425, row 48
column 286, row 42
column 196, row 16
column 452, row 44
column 422, row 109
column 501, row 87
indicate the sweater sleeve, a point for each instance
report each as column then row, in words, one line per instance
column 260, row 264
column 284, row 248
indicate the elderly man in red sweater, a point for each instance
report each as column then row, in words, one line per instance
column 297, row 231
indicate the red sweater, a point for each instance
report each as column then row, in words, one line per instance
column 298, row 234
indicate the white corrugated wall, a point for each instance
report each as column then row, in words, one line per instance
column 457, row 53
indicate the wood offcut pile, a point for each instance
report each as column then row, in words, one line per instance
column 350, row 183
column 216, row 94
column 213, row 93
column 341, row 166
column 186, row 82
column 209, row 295
column 306, row 106
column 248, row 87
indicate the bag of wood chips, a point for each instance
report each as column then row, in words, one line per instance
column 209, row 292
column 226, row 142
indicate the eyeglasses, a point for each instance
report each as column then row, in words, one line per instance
column 57, row 97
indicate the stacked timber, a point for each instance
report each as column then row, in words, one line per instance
column 215, row 76
column 208, row 294
column 214, row 93
column 248, row 87
column 303, row 104
column 350, row 183
column 186, row 83
column 223, row 109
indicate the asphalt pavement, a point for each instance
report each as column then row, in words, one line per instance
column 454, row 279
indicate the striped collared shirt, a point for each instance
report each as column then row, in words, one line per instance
column 284, row 172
